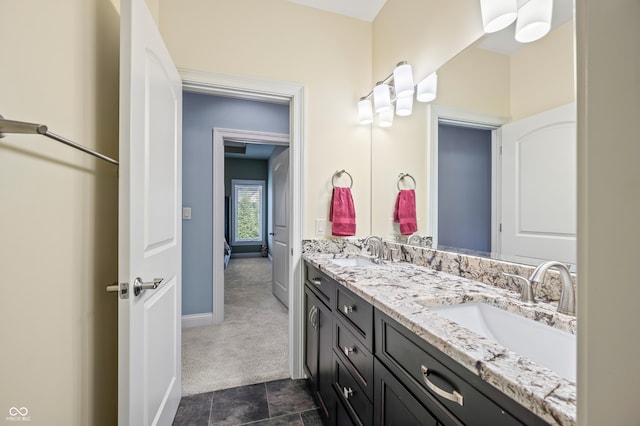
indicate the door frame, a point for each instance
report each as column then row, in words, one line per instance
column 280, row 92
column 437, row 114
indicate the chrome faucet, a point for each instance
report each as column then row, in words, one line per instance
column 414, row 239
column 567, row 304
column 377, row 247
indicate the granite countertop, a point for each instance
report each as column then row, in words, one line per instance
column 405, row 291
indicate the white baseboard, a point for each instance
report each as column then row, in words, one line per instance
column 251, row 254
column 197, row 320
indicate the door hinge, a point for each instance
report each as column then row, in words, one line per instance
column 500, row 149
column 500, row 228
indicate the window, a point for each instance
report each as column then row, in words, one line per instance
column 248, row 211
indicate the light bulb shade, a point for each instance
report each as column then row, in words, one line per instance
column 534, row 20
column 404, row 106
column 382, row 98
column 498, row 14
column 427, row 88
column 385, row 119
column 365, row 111
column 403, row 80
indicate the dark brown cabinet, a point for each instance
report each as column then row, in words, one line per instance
column 318, row 361
column 368, row 369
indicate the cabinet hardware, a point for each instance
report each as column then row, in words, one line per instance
column 348, row 350
column 317, row 281
column 347, row 309
column 453, row 396
column 347, row 392
column 314, row 318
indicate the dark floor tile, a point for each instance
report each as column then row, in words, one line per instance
column 312, row 418
column 194, row 410
column 289, row 396
column 286, row 420
column 239, row 405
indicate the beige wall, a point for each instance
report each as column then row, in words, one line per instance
column 543, row 74
column 278, row 40
column 608, row 212
column 58, row 212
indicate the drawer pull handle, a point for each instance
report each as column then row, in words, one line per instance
column 348, row 350
column 347, row 309
column 347, row 392
column 317, row 281
column 453, row 396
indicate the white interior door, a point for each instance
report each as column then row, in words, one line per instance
column 281, row 227
column 149, row 350
column 539, row 187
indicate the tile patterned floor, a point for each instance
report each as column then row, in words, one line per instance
column 280, row 402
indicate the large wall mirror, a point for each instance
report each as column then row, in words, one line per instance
column 495, row 164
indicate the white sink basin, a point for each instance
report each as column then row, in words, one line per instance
column 542, row 344
column 353, row 261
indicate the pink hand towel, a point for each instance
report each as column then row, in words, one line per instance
column 404, row 211
column 342, row 213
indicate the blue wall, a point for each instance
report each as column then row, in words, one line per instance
column 464, row 188
column 201, row 114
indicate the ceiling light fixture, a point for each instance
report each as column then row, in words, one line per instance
column 533, row 17
column 398, row 88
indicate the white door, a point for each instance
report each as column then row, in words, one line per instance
column 539, row 187
column 281, row 227
column 149, row 240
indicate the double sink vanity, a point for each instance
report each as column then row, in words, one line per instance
column 434, row 338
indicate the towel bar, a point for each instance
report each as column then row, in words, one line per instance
column 338, row 174
column 402, row 176
column 11, row 126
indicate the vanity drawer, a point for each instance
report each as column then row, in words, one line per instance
column 356, row 314
column 321, row 284
column 351, row 395
column 357, row 359
column 436, row 385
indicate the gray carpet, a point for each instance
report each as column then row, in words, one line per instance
column 250, row 346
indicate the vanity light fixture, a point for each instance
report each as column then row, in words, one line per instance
column 533, row 17
column 534, row 20
column 427, row 88
column 385, row 119
column 395, row 92
column 365, row 111
column 498, row 14
column 382, row 97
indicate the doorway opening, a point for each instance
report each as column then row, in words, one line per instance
column 275, row 92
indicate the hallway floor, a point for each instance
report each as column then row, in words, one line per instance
column 275, row 403
column 250, row 345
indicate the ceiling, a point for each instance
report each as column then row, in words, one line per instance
column 365, row 10
column 254, row 151
column 501, row 42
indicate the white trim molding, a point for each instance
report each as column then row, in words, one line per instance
column 281, row 93
column 197, row 320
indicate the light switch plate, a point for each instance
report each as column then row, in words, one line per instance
column 186, row 213
column 321, row 226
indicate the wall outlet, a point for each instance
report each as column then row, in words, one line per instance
column 186, row 213
column 321, row 226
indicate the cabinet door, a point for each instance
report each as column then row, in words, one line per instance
column 394, row 405
column 324, row 321
column 318, row 339
column 311, row 337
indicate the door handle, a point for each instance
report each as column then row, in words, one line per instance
column 139, row 285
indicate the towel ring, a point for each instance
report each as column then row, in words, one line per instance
column 338, row 174
column 401, row 177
